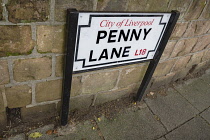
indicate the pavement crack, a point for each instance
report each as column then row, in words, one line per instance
column 95, row 124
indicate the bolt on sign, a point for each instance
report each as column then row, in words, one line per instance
column 98, row 40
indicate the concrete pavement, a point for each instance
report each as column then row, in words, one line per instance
column 182, row 114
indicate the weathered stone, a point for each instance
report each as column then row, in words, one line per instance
column 181, row 63
column 4, row 73
column 162, row 81
column 203, row 42
column 168, row 50
column 50, row 39
column 137, row 5
column 38, row 113
column 1, row 10
column 76, row 88
column 2, row 106
column 131, row 75
column 48, row 91
column 196, row 28
column 81, row 102
column 195, row 59
column 183, row 47
column 59, row 66
column 32, row 69
column 156, row 5
column 181, row 74
column 206, row 56
column 62, row 5
column 201, row 66
column 205, row 14
column 28, row 10
column 112, row 5
column 164, row 68
column 97, row 82
column 15, row 40
column 180, row 5
column 179, row 30
column 18, row 96
column 3, row 121
column 110, row 96
column 195, row 9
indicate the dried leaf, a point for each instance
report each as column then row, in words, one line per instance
column 99, row 119
column 94, row 128
column 35, row 135
column 49, row 132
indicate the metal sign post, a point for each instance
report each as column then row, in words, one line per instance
column 98, row 40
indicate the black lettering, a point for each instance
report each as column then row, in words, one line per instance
column 125, row 37
column 91, row 55
column 104, row 54
column 101, row 35
column 117, row 54
column 146, row 33
column 135, row 34
column 126, row 51
column 111, row 36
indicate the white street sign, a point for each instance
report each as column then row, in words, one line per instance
column 110, row 39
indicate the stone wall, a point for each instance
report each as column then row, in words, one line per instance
column 32, row 51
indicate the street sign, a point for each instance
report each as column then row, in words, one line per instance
column 113, row 39
column 97, row 40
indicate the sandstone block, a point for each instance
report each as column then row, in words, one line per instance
column 181, row 63
column 206, row 56
column 1, row 10
column 156, row 5
column 162, row 81
column 59, row 66
column 15, row 40
column 32, row 69
column 203, row 42
column 137, row 5
column 76, row 88
column 195, row 59
column 181, row 74
column 110, row 96
column 62, row 5
column 48, row 91
column 2, row 106
column 164, row 68
column 38, row 113
column 205, row 13
column 97, row 82
column 18, row 96
column 81, row 102
column 183, row 47
column 179, row 30
column 201, row 66
column 113, row 5
column 4, row 73
column 168, row 50
column 131, row 75
column 180, row 5
column 28, row 10
column 195, row 9
column 50, row 39
column 3, row 121
column 196, row 28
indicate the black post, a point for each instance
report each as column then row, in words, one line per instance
column 72, row 15
column 153, row 63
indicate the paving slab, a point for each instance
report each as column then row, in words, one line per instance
column 132, row 125
column 206, row 115
column 18, row 137
column 161, row 138
column 173, row 110
column 195, row 129
column 43, row 131
column 196, row 92
column 206, row 78
column 82, row 131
